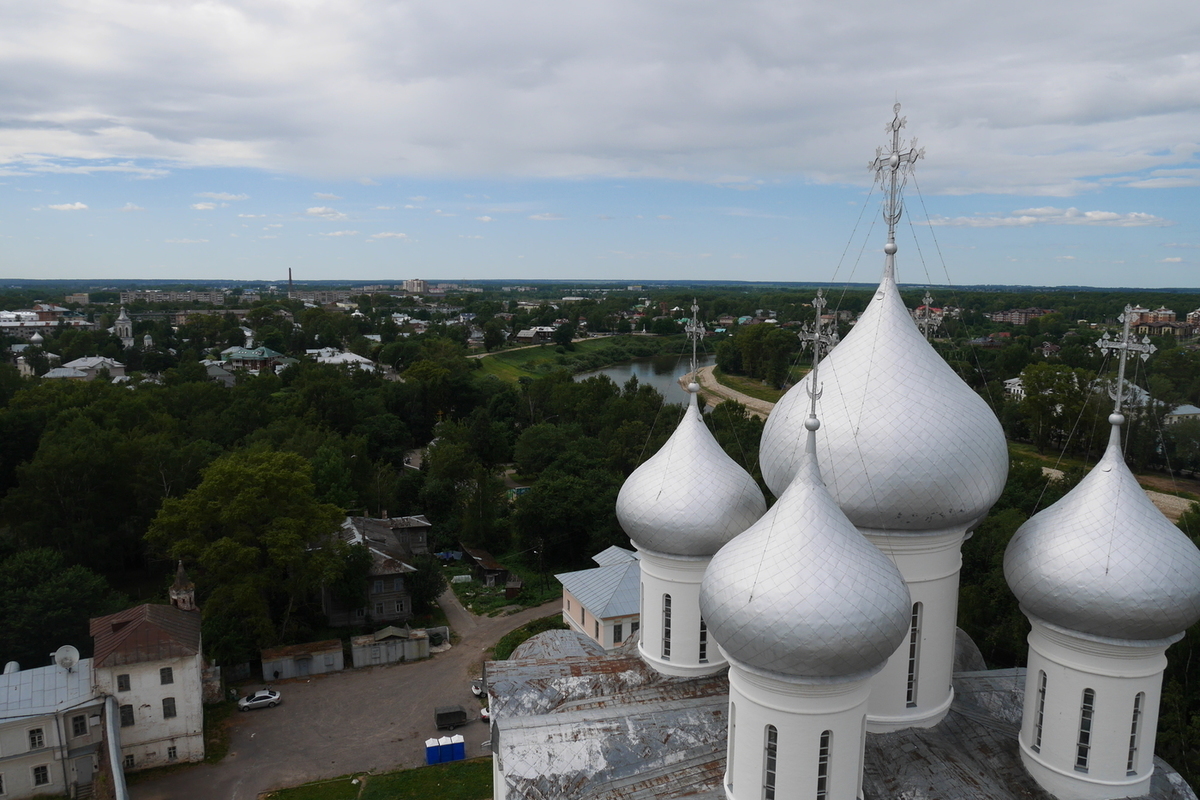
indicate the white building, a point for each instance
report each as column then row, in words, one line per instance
column 602, row 603
column 148, row 659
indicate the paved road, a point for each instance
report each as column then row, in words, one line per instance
column 360, row 720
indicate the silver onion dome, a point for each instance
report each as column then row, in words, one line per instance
column 690, row 497
column 802, row 592
column 1104, row 561
column 909, row 446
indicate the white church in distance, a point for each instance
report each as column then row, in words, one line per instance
column 811, row 650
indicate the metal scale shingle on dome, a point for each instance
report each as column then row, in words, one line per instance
column 909, row 445
column 690, row 497
column 1104, row 560
column 802, row 592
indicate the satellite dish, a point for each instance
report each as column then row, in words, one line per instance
column 66, row 657
column 11, row 667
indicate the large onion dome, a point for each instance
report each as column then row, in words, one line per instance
column 1104, row 561
column 909, row 446
column 802, row 592
column 690, row 497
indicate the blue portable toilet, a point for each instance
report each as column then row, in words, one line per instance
column 433, row 752
column 458, row 747
column 446, row 748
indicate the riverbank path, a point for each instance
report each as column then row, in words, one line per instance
column 714, row 393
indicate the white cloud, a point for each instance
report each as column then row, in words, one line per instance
column 1064, row 258
column 326, row 196
column 1049, row 215
column 223, row 196
column 1182, row 244
column 367, row 182
column 69, row 207
column 252, row 216
column 1174, row 260
column 341, row 233
column 665, row 216
column 323, row 212
column 546, row 217
column 410, row 206
column 389, row 235
column 385, row 208
column 185, row 241
column 204, row 206
column 132, row 207
column 469, row 236
column 484, row 218
column 419, row 199
column 274, row 225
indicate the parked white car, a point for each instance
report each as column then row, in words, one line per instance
column 263, row 698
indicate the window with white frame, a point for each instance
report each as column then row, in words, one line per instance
column 823, row 755
column 769, row 762
column 129, row 762
column 172, row 753
column 37, row 739
column 703, row 642
column 666, row 634
column 378, row 587
column 1135, row 731
column 1083, row 745
column 1040, row 718
column 41, row 775
column 914, row 644
column 618, row 629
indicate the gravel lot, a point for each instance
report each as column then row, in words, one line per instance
column 359, row 720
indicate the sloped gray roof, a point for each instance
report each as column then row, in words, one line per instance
column 610, row 591
column 614, row 555
column 44, row 690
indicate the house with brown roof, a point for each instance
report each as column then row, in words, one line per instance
column 148, row 659
column 394, row 543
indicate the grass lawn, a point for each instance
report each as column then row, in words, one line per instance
column 460, row 780
column 748, row 386
column 488, row 600
column 525, row 361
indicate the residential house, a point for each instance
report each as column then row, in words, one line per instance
column 254, row 359
column 92, row 366
column 50, row 730
column 394, row 544
column 148, row 659
column 1181, row 413
column 602, row 602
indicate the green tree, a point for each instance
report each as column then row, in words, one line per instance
column 263, row 544
column 45, row 604
column 426, row 584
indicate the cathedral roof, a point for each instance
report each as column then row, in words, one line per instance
column 1104, row 561
column 690, row 497
column 907, row 445
column 802, row 592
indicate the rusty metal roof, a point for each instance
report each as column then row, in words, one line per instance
column 579, row 724
column 145, row 633
column 306, row 649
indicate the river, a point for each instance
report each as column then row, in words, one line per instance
column 661, row 372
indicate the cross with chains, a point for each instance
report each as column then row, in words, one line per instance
column 1125, row 345
column 926, row 323
column 890, row 166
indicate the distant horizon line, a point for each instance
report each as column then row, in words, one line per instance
column 591, row 283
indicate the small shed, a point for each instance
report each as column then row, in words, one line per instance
column 388, row 646
column 300, row 660
column 488, row 571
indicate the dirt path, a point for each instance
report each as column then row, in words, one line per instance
column 714, row 392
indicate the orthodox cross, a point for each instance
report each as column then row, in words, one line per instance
column 694, row 331
column 926, row 323
column 892, row 170
column 820, row 341
column 1124, row 346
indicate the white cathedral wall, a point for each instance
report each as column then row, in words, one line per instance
column 930, row 563
column 800, row 713
column 1116, row 671
column 680, row 578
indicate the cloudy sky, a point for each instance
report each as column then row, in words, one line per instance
column 624, row 139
